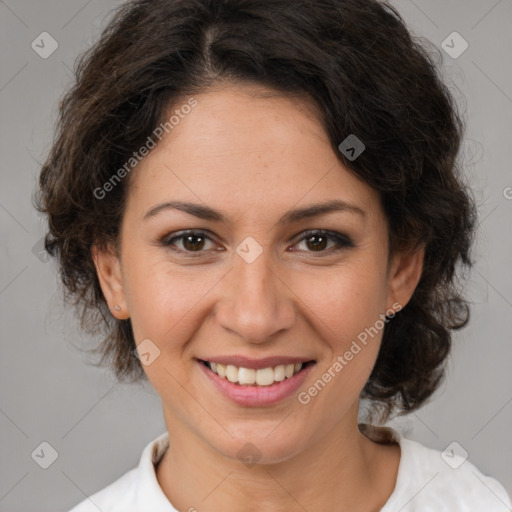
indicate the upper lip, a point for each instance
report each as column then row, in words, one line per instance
column 265, row 362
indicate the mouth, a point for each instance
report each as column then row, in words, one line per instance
column 262, row 385
column 243, row 376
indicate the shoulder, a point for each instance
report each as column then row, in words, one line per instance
column 136, row 489
column 443, row 481
column 119, row 495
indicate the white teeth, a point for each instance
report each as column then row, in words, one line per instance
column 220, row 370
column 265, row 376
column 250, row 376
column 247, row 376
column 279, row 373
column 232, row 373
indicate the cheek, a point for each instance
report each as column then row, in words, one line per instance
column 345, row 309
column 343, row 302
column 169, row 305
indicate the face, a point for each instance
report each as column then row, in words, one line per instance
column 251, row 280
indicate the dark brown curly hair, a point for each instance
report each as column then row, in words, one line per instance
column 366, row 74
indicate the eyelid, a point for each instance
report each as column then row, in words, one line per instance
column 343, row 241
column 178, row 235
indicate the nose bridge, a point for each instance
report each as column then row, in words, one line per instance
column 255, row 302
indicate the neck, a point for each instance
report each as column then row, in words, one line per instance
column 344, row 470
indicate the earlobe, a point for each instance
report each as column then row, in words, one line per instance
column 108, row 269
column 405, row 275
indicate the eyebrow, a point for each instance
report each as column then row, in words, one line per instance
column 296, row 215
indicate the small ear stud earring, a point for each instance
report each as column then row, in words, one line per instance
column 117, row 307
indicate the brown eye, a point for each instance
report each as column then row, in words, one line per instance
column 194, row 243
column 317, row 241
column 191, row 242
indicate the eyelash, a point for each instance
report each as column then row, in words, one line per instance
column 342, row 241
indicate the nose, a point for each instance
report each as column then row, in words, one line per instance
column 256, row 302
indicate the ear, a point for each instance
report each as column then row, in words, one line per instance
column 108, row 268
column 404, row 275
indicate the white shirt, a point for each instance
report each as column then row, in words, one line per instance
column 425, row 483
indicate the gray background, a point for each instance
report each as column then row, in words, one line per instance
column 49, row 393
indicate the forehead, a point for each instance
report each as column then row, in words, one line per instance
column 241, row 146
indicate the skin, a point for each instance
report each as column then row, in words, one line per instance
column 255, row 155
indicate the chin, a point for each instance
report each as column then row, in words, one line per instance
column 256, row 446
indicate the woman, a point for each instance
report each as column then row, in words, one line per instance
column 261, row 204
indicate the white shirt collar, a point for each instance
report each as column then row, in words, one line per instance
column 149, row 490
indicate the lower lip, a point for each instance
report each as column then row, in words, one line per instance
column 254, row 396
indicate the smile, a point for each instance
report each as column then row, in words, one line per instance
column 253, row 387
column 250, row 376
